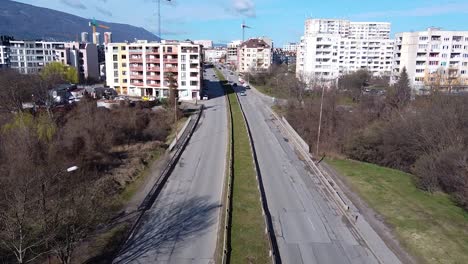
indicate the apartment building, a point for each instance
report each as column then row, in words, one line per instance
column 231, row 56
column 31, row 56
column 82, row 56
column 433, row 57
column 254, row 55
column 142, row 68
column 330, row 48
column 4, row 56
column 207, row 44
column 214, row 55
column 290, row 47
column 107, row 38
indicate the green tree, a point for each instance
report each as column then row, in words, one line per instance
column 57, row 72
column 399, row 94
column 354, row 83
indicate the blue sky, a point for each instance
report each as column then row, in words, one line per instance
column 282, row 20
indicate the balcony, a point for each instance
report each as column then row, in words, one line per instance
column 138, row 68
column 171, row 69
column 154, row 84
column 153, row 60
column 136, row 76
column 153, row 77
column 152, row 51
column 136, row 59
column 173, row 61
column 135, row 51
column 153, row 69
column 136, row 83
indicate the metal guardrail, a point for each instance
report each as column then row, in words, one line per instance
column 164, row 175
column 328, row 182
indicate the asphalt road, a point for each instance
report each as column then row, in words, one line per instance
column 182, row 225
column 308, row 227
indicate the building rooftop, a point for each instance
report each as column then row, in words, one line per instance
column 255, row 43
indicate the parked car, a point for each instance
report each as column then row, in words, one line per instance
column 205, row 97
column 243, row 93
column 247, row 86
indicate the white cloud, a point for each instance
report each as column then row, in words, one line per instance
column 244, row 7
column 74, row 3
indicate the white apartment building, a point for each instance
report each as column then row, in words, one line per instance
column 290, row 47
column 254, row 55
column 82, row 56
column 4, row 56
column 231, row 56
column 142, row 68
column 31, row 56
column 330, row 48
column 214, row 55
column 432, row 57
column 207, row 44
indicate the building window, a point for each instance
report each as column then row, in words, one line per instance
column 115, row 58
column 124, row 56
column 183, row 83
column 423, row 38
column 182, row 58
column 182, row 67
column 116, row 65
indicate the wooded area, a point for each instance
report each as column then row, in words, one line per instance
column 47, row 205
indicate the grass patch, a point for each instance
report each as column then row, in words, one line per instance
column 249, row 243
column 430, row 226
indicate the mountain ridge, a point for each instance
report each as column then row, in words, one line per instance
column 28, row 22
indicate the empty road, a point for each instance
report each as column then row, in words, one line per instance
column 309, row 229
column 182, row 225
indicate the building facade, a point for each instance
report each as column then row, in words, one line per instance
column 432, row 58
column 292, row 46
column 85, row 37
column 330, row 48
column 231, row 55
column 207, row 44
column 4, row 56
column 214, row 55
column 150, row 68
column 84, row 57
column 254, row 55
column 285, row 57
column 107, row 37
column 31, row 56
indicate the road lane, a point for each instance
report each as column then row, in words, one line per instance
column 183, row 223
column 308, row 227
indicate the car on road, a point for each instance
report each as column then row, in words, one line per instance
column 205, row 97
column 242, row 93
column 247, row 86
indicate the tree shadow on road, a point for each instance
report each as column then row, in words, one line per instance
column 173, row 223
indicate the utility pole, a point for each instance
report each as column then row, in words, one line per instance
column 159, row 18
column 320, row 122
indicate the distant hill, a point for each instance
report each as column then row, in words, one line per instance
column 23, row 21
